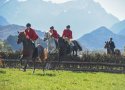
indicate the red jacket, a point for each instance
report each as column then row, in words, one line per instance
column 54, row 34
column 67, row 33
column 31, row 34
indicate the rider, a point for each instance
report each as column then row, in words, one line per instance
column 111, row 45
column 54, row 34
column 67, row 34
column 31, row 34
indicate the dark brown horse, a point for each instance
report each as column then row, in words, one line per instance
column 116, row 52
column 30, row 52
column 107, row 46
column 1, row 63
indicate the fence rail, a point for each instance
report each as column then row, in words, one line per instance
column 73, row 66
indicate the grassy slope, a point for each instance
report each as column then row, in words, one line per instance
column 13, row 79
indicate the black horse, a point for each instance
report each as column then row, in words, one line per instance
column 76, row 47
column 116, row 52
column 65, row 48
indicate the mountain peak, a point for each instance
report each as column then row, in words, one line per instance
column 102, row 30
column 117, row 27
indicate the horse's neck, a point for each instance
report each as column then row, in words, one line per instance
column 51, row 40
column 51, row 45
column 27, row 44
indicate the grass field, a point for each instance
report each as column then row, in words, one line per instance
column 13, row 79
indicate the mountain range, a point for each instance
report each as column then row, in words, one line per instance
column 96, row 39
column 13, row 29
column 93, row 40
column 83, row 15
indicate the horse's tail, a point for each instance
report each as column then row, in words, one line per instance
column 78, row 45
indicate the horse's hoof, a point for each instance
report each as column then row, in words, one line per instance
column 24, row 70
column 21, row 69
column 33, row 72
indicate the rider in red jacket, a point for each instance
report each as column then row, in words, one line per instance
column 54, row 33
column 30, row 33
column 67, row 33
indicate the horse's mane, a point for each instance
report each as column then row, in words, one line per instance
column 21, row 32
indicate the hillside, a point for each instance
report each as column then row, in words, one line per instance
column 13, row 29
column 97, row 38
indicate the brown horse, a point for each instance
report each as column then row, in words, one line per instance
column 2, row 64
column 107, row 47
column 30, row 52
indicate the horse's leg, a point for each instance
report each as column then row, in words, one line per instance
column 34, row 66
column 43, row 66
column 76, row 52
column 21, row 63
column 73, row 52
column 25, row 66
column 58, row 63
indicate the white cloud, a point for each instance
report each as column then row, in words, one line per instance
column 22, row 0
column 58, row 1
column 115, row 7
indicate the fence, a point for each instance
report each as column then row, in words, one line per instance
column 73, row 66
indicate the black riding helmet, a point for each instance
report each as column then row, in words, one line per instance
column 111, row 38
column 28, row 25
column 52, row 27
column 68, row 26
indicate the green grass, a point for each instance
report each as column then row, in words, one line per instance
column 13, row 79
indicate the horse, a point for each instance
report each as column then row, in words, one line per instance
column 1, row 63
column 51, row 43
column 116, row 52
column 62, row 46
column 107, row 46
column 30, row 52
column 76, row 47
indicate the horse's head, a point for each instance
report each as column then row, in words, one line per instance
column 21, row 37
column 47, row 35
column 106, row 44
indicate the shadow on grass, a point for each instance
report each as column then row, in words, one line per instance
column 47, row 74
column 95, row 72
column 84, row 72
column 2, row 72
